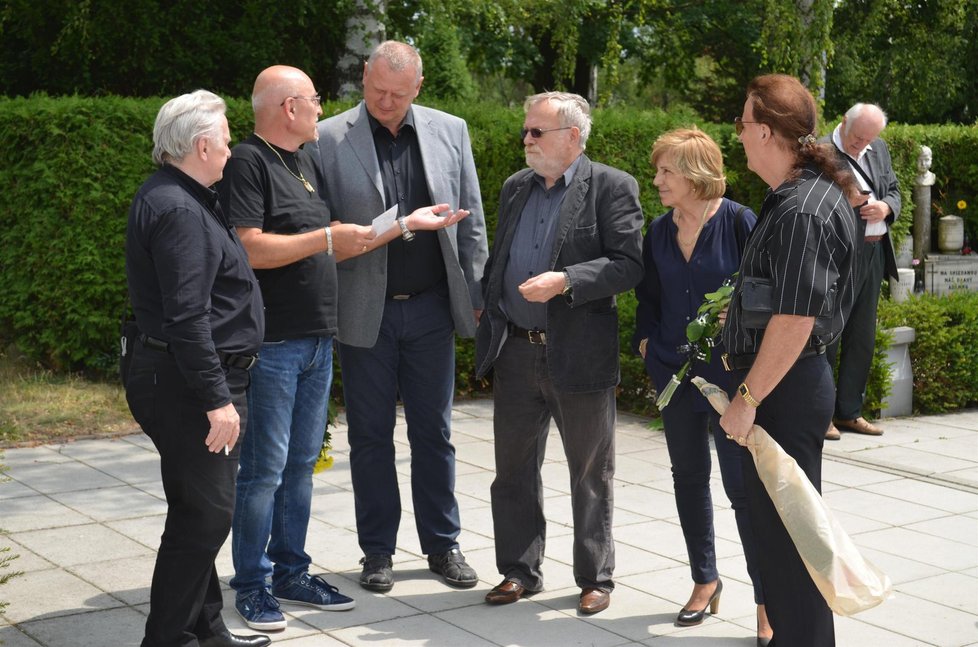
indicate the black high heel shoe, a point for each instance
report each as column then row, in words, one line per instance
column 763, row 642
column 688, row 618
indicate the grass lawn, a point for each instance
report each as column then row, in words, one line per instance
column 38, row 406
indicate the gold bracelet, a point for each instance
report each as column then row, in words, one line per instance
column 745, row 394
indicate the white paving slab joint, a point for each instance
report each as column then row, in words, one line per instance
column 85, row 520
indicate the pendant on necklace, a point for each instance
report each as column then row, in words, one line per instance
column 308, row 186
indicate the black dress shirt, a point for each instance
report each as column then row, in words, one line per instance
column 804, row 245
column 190, row 282
column 417, row 265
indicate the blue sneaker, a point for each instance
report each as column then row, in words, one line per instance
column 314, row 591
column 260, row 610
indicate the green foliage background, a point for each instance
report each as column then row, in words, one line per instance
column 72, row 165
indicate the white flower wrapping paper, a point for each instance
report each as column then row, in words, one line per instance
column 848, row 582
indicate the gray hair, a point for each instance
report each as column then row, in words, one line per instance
column 860, row 109
column 572, row 109
column 398, row 56
column 182, row 121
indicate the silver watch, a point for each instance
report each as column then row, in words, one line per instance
column 406, row 233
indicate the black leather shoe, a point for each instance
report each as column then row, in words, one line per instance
column 453, row 568
column 378, row 573
column 231, row 640
column 690, row 618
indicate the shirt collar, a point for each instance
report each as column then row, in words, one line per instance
column 568, row 174
column 204, row 194
column 408, row 121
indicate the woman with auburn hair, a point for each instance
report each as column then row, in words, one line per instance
column 689, row 251
column 793, row 293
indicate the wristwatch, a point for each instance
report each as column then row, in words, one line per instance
column 567, row 285
column 745, row 394
column 406, row 233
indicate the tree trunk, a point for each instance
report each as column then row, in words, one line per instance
column 364, row 31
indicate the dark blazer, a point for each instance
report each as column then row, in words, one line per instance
column 599, row 244
column 884, row 183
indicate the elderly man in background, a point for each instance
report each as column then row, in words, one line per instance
column 199, row 311
column 857, row 141
column 274, row 196
column 568, row 239
column 401, row 306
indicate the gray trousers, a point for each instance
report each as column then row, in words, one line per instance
column 525, row 402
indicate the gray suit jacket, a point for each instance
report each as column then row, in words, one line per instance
column 354, row 192
column 884, row 183
column 599, row 244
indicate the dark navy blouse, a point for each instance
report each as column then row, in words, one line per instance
column 672, row 290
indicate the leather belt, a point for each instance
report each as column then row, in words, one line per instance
column 872, row 239
column 231, row 360
column 535, row 336
column 741, row 362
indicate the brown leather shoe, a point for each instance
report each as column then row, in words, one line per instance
column 832, row 433
column 593, row 601
column 860, row 425
column 506, row 592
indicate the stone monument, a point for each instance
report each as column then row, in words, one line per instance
column 921, row 199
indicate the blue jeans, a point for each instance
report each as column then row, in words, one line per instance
column 287, row 401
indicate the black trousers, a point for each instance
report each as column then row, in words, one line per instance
column 796, row 415
column 185, row 598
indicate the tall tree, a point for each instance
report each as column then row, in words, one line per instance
column 364, row 31
column 917, row 60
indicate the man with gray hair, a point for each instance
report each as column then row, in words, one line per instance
column 401, row 306
column 568, row 240
column 857, row 141
column 200, row 318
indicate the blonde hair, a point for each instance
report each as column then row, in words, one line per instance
column 697, row 158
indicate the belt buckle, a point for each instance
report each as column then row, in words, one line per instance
column 537, row 336
column 726, row 365
column 400, row 297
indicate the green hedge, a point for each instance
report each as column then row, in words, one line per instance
column 942, row 357
column 70, row 166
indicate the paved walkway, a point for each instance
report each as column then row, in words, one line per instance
column 86, row 517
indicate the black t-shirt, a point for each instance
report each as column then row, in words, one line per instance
column 258, row 190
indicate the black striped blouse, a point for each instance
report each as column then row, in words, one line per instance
column 803, row 244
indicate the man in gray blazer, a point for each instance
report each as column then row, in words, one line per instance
column 400, row 306
column 569, row 238
column 857, row 141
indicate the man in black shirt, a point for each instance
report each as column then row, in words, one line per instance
column 199, row 310
column 401, row 306
column 273, row 194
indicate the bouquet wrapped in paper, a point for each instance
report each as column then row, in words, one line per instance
column 848, row 582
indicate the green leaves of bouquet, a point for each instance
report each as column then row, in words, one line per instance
column 702, row 334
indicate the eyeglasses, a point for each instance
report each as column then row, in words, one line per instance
column 537, row 133
column 316, row 99
column 739, row 124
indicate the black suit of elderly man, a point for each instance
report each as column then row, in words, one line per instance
column 857, row 140
column 568, row 240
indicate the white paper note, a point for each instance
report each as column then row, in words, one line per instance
column 384, row 221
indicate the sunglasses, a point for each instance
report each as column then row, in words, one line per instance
column 739, row 124
column 537, row 133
